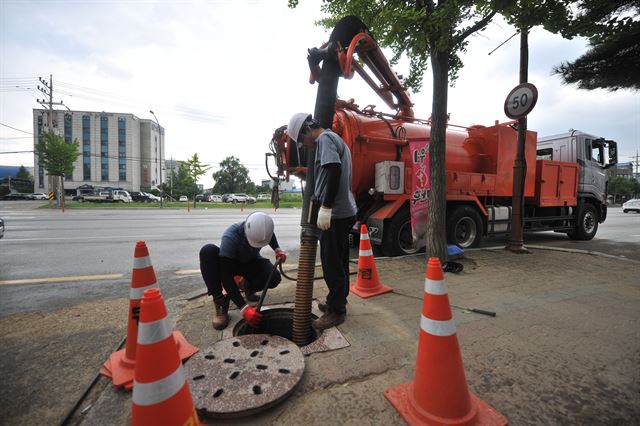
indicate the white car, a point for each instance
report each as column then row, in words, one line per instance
column 264, row 197
column 216, row 198
column 240, row 198
column 152, row 197
column 183, row 198
column 631, row 206
column 38, row 196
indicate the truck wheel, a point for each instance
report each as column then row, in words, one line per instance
column 464, row 227
column 397, row 239
column 586, row 225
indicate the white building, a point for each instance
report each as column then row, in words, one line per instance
column 117, row 150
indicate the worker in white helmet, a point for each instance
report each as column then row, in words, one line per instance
column 239, row 256
column 337, row 213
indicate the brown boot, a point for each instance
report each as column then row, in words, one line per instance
column 249, row 294
column 221, row 318
column 328, row 320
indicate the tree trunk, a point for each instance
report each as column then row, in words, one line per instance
column 436, row 226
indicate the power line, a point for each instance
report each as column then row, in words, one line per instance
column 23, row 131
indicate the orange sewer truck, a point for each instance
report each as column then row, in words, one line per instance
column 566, row 181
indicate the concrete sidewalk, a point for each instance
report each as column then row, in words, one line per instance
column 564, row 347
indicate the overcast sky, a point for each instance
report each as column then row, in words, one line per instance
column 222, row 75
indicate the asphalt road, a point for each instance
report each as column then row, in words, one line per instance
column 49, row 258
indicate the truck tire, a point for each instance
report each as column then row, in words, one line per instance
column 586, row 225
column 464, row 227
column 398, row 239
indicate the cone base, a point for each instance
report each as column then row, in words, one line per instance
column 121, row 371
column 365, row 293
column 185, row 349
column 482, row 414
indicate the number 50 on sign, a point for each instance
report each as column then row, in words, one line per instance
column 521, row 101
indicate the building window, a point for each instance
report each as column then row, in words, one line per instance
column 122, row 148
column 68, row 120
column 104, row 148
column 86, row 147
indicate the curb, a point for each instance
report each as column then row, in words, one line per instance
column 566, row 250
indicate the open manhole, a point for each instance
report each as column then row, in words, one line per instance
column 277, row 321
column 243, row 375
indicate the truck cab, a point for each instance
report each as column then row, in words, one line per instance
column 589, row 152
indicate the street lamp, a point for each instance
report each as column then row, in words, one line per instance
column 160, row 134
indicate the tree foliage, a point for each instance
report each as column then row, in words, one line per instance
column 620, row 186
column 55, row 155
column 23, row 173
column 613, row 59
column 232, row 177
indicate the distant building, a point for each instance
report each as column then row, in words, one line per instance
column 117, row 150
column 624, row 170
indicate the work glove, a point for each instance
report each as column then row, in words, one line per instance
column 251, row 315
column 324, row 218
column 281, row 255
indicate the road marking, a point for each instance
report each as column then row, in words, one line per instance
column 187, row 271
column 77, row 238
column 63, row 279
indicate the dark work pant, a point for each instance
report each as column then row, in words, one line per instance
column 256, row 272
column 334, row 254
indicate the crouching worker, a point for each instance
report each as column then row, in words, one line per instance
column 239, row 256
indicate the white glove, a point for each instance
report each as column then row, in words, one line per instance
column 324, row 218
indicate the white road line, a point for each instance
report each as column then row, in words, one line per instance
column 78, row 238
column 63, row 279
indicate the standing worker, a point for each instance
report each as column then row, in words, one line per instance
column 239, row 255
column 337, row 212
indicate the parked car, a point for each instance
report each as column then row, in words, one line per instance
column 262, row 197
column 240, row 198
column 17, row 196
column 631, row 206
column 38, row 196
column 225, row 198
column 215, row 198
column 152, row 197
column 139, row 197
column 202, row 197
column 1, row 227
column 183, row 198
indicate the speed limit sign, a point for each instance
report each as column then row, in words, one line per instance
column 521, row 101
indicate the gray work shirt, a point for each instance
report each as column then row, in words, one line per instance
column 332, row 149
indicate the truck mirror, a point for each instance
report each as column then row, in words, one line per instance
column 613, row 152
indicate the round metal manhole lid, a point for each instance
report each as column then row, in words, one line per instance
column 243, row 375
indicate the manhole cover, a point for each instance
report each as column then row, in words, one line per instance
column 244, row 375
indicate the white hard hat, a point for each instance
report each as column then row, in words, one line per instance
column 258, row 227
column 296, row 123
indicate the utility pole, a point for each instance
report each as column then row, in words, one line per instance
column 516, row 240
column 160, row 171
column 47, row 90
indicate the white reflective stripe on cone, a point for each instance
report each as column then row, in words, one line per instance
column 437, row 328
column 153, row 332
column 365, row 253
column 364, row 236
column 141, row 262
column 436, row 288
column 157, row 392
column 138, row 292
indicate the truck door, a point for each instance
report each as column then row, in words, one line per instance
column 595, row 178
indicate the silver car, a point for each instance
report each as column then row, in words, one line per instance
column 631, row 206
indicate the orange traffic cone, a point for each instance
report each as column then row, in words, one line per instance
column 367, row 284
column 161, row 394
column 439, row 393
column 121, row 364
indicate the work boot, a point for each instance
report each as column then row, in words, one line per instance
column 323, row 307
column 329, row 319
column 221, row 318
column 249, row 294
